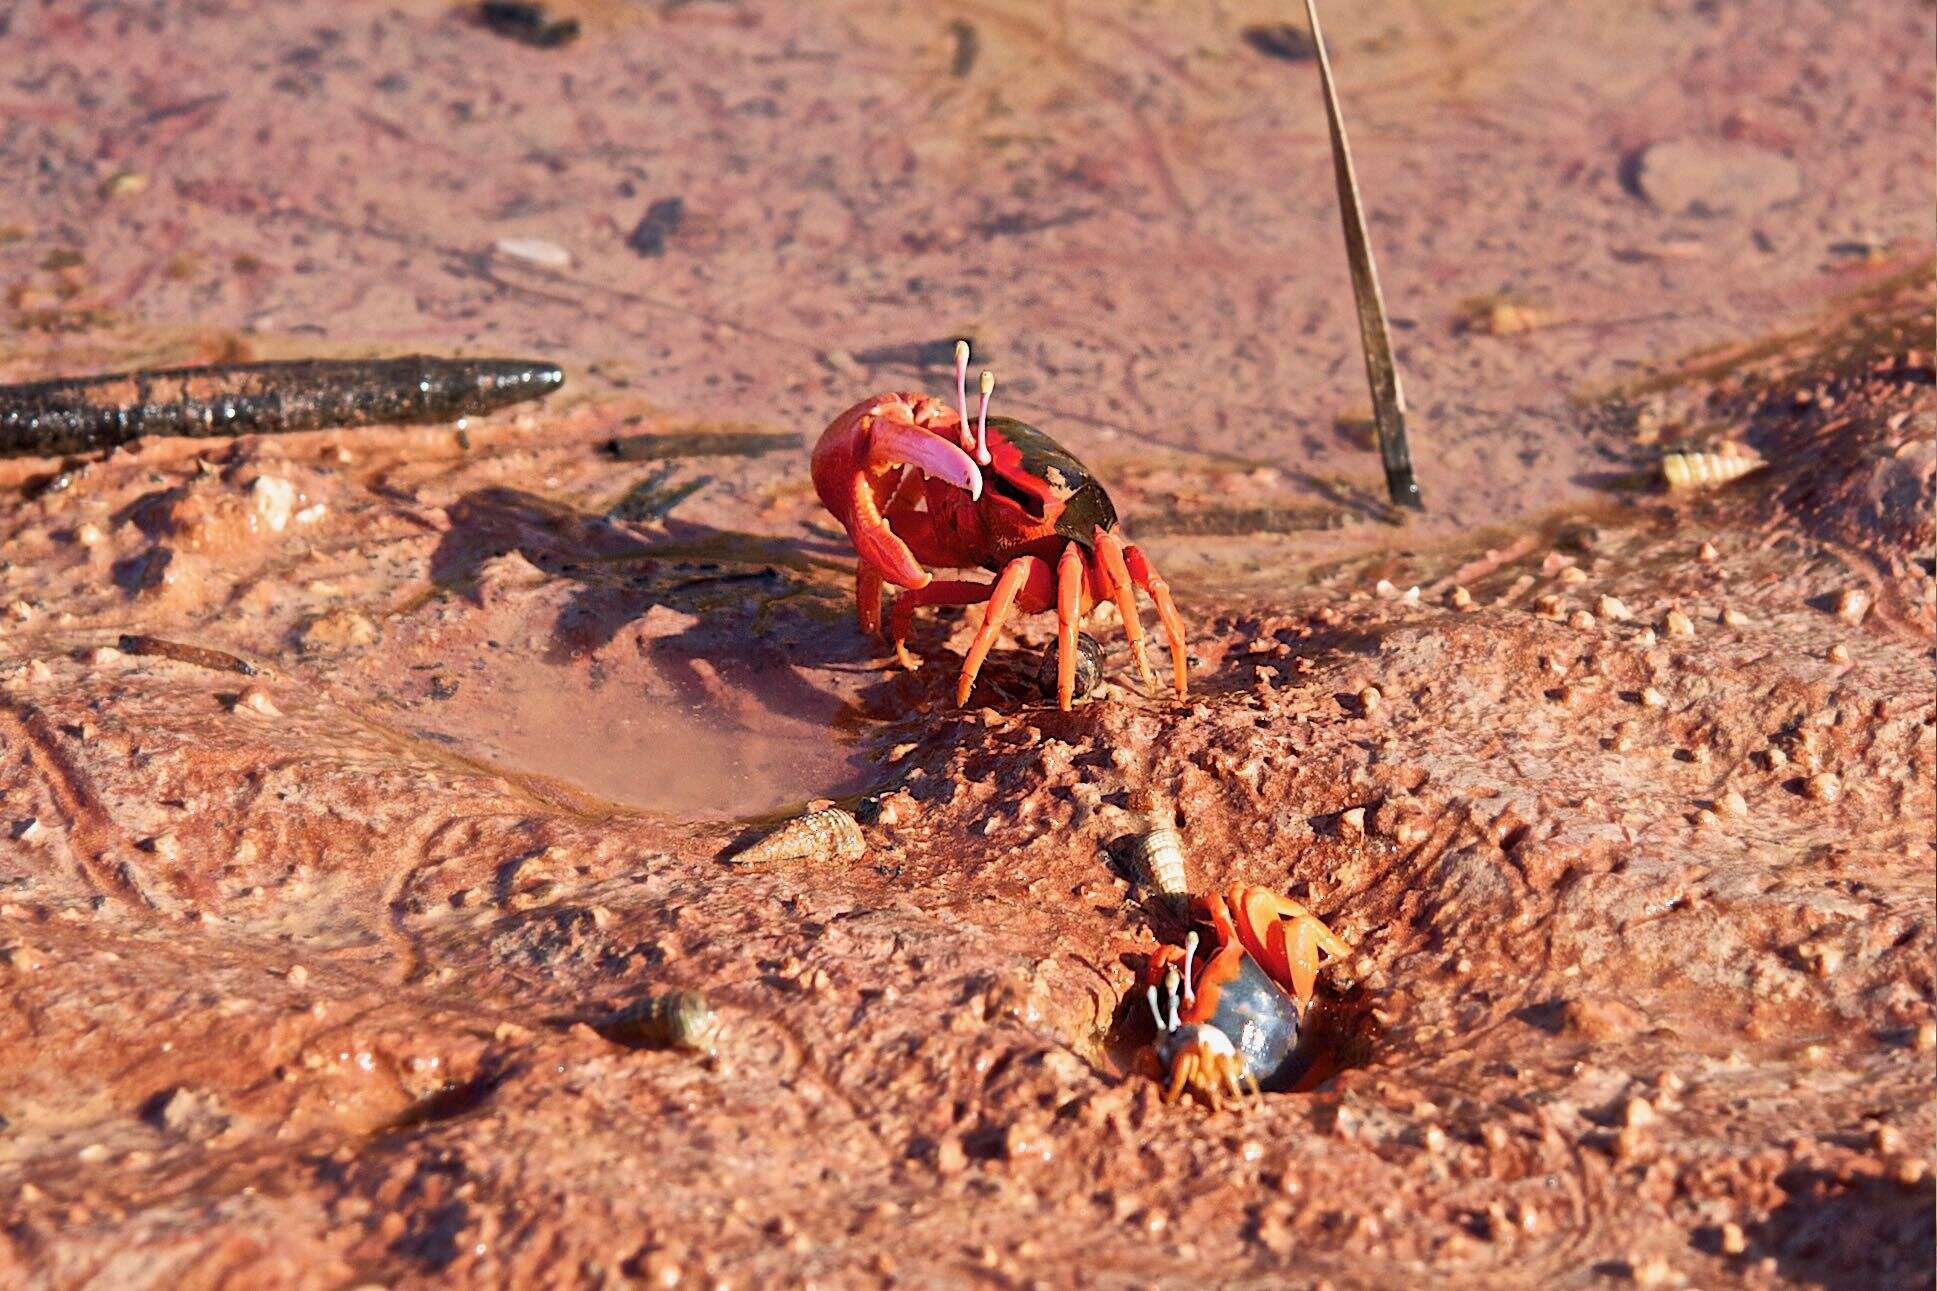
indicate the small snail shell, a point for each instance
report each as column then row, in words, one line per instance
column 1695, row 470
column 1159, row 853
column 670, row 1019
column 1089, row 667
column 826, row 835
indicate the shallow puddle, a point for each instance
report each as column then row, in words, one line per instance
column 700, row 759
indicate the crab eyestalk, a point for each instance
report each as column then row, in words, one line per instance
column 982, row 420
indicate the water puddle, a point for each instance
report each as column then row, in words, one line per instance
column 698, row 759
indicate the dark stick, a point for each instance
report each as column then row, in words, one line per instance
column 1388, row 400
column 83, row 414
column 200, row 656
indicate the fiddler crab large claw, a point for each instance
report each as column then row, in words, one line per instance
column 915, row 488
column 1231, row 1021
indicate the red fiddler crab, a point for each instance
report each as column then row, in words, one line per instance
column 1233, row 1020
column 914, row 487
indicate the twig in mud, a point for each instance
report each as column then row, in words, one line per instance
column 83, row 414
column 200, row 656
column 1388, row 400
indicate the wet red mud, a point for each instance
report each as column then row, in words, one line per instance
column 1627, row 811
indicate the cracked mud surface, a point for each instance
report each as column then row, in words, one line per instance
column 1628, row 811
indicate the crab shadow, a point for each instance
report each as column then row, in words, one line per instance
column 747, row 613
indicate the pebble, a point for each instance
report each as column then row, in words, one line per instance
column 1707, row 553
column 1677, row 624
column 1926, row 1038
column 1824, row 786
column 274, row 500
column 1653, row 1273
column 1732, row 804
column 1653, row 698
column 257, row 701
column 1352, row 822
column 1852, row 603
column 1714, row 177
column 1734, row 1240
column 536, row 251
column 1838, row 653
column 1549, row 607
column 1733, row 618
column 1581, row 619
column 1573, row 575
column 1461, row 599
column 1639, row 1112
column 1370, row 698
column 1613, row 609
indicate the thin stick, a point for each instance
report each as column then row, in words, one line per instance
column 1388, row 400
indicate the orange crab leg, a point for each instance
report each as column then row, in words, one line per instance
column 1002, row 596
column 948, row 591
column 867, row 597
column 1109, row 553
column 1285, row 938
column 1069, row 612
column 1152, row 582
column 1180, row 1074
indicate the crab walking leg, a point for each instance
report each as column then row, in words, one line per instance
column 867, row 597
column 1002, row 596
column 947, row 591
column 1109, row 552
column 1180, row 1074
column 1152, row 582
column 1069, row 612
column 1293, row 937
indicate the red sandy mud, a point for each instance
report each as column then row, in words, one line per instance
column 1628, row 811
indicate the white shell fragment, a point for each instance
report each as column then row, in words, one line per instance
column 534, row 251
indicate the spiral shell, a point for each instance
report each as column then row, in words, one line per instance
column 1159, row 853
column 1699, row 470
column 1089, row 667
column 668, row 1020
column 829, row 834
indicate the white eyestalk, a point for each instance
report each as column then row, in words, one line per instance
column 982, row 421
